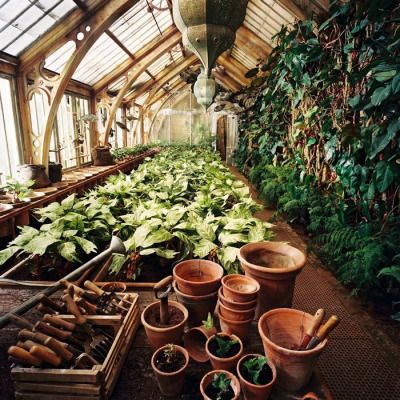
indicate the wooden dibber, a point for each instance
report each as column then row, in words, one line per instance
column 323, row 331
column 318, row 317
column 166, row 284
column 24, row 356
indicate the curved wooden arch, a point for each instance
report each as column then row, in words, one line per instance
column 135, row 72
column 99, row 23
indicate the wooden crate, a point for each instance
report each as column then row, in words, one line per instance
column 82, row 384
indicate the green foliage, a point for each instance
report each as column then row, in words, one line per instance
column 222, row 383
column 209, row 322
column 125, row 153
column 254, row 366
column 16, row 189
column 224, row 345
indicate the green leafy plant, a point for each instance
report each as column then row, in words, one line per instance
column 209, row 322
column 222, row 384
column 16, row 189
column 254, row 367
column 224, row 345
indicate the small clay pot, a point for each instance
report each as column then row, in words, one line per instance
column 228, row 363
column 250, row 390
column 208, row 378
column 117, row 287
column 240, row 288
column 280, row 330
column 198, row 306
column 238, row 315
column 159, row 336
column 233, row 327
column 195, row 340
column 170, row 383
column 234, row 304
column 198, row 277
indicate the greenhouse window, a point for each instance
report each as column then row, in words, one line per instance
column 10, row 149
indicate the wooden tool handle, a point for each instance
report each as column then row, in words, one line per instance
column 328, row 327
column 164, row 283
column 21, row 322
column 59, row 348
column 26, row 334
column 77, row 290
column 91, row 286
column 74, row 310
column 44, row 309
column 89, row 307
column 43, row 354
column 24, row 356
column 58, row 322
column 50, row 303
column 52, row 331
column 318, row 317
column 28, row 344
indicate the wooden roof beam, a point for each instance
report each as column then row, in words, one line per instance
column 234, row 68
column 58, row 35
column 293, row 9
column 226, row 81
column 247, row 39
column 124, row 67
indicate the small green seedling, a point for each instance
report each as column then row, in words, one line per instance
column 170, row 354
column 209, row 322
column 221, row 383
column 254, row 367
column 16, row 189
column 224, row 346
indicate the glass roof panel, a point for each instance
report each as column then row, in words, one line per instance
column 22, row 22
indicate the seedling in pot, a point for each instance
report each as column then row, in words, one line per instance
column 170, row 359
column 17, row 190
column 220, row 388
column 225, row 346
column 208, row 324
column 257, row 370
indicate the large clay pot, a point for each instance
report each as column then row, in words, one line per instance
column 234, row 327
column 102, row 156
column 280, row 330
column 250, row 390
column 275, row 267
column 198, row 277
column 239, row 315
column 198, row 306
column 34, row 172
column 208, row 378
column 234, row 304
column 159, row 336
column 195, row 340
column 228, row 363
column 240, row 288
column 170, row 383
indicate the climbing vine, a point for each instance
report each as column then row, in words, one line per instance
column 326, row 106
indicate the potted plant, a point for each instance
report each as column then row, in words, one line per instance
column 220, row 385
column 195, row 339
column 224, row 351
column 257, row 376
column 164, row 320
column 169, row 364
column 17, row 192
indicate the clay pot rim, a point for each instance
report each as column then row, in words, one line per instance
column 230, row 375
column 121, row 286
column 236, row 311
column 253, row 385
column 194, row 283
column 299, row 264
column 284, row 350
column 181, row 349
column 229, row 321
column 224, row 359
column 158, row 329
column 221, row 295
column 203, row 331
column 190, row 296
column 248, row 278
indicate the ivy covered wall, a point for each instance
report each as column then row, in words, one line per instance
column 320, row 138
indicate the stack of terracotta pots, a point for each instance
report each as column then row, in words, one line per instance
column 237, row 304
column 196, row 284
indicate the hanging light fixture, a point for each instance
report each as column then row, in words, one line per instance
column 208, row 29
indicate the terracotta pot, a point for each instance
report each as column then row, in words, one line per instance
column 280, row 330
column 198, row 277
column 234, row 304
column 208, row 378
column 170, row 383
column 229, row 363
column 238, row 315
column 195, row 342
column 102, row 156
column 157, row 336
column 238, row 328
column 34, row 172
column 250, row 390
column 118, row 287
column 275, row 267
column 240, row 288
column 198, row 306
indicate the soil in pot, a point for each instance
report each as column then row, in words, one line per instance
column 214, row 393
column 270, row 259
column 175, row 317
column 221, row 346
column 170, row 363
